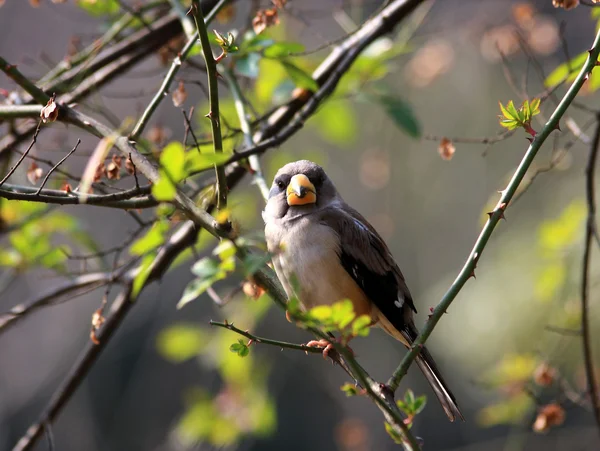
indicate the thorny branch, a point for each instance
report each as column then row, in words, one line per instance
column 468, row 269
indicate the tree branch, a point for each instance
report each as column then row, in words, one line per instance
column 125, row 200
column 173, row 70
column 213, row 94
column 468, row 269
column 267, row 341
column 76, row 287
column 240, row 107
column 590, row 230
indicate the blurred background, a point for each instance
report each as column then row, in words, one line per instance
column 167, row 380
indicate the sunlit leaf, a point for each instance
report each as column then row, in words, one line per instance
column 349, row 389
column 566, row 71
column 99, row 7
column 154, row 238
column 283, row 49
column 196, row 161
column 141, row 277
column 180, row 342
column 299, row 76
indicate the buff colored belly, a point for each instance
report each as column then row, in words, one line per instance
column 310, row 256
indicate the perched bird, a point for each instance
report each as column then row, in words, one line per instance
column 332, row 253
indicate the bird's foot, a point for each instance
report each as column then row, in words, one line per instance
column 327, row 346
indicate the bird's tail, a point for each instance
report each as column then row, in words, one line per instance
column 434, row 377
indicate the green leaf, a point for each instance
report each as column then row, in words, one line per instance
column 195, row 288
column 225, row 250
column 196, row 161
column 399, row 111
column 510, row 107
column 321, row 312
column 419, row 404
column 349, row 389
column 283, row 49
column 154, row 238
column 253, row 262
column 163, row 190
column 396, row 437
column 342, row 313
column 240, row 348
column 180, row 342
column 409, row 397
column 255, row 43
column 566, row 71
column 99, row 7
column 360, row 326
column 172, row 160
column 205, row 268
column 143, row 274
column 247, row 66
column 301, row 78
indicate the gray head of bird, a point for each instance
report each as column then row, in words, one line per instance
column 300, row 188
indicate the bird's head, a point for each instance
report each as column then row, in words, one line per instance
column 300, row 188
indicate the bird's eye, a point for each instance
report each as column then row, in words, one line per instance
column 280, row 184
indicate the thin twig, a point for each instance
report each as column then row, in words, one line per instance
column 267, row 341
column 164, row 87
column 36, row 93
column 125, row 200
column 54, row 168
column 20, row 160
column 240, row 106
column 468, row 270
column 590, row 227
column 213, row 94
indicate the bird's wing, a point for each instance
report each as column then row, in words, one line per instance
column 367, row 259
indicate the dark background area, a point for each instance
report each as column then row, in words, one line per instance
column 429, row 210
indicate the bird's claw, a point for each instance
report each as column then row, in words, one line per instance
column 322, row 343
column 326, row 345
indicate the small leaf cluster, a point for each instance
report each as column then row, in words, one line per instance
column 227, row 43
column 240, row 348
column 411, row 406
column 33, row 242
column 209, row 270
column 338, row 317
column 512, row 118
column 176, row 165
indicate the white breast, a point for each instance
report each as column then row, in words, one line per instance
column 309, row 255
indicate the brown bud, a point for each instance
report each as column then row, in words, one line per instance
column 66, row 187
column 252, row 290
column 565, row 4
column 544, row 375
column 179, row 95
column 446, row 149
column 34, row 173
column 112, row 171
column 129, row 166
column 50, row 112
column 100, row 172
column 548, row 416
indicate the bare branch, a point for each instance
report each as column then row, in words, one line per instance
column 590, row 230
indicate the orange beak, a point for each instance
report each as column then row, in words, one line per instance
column 301, row 191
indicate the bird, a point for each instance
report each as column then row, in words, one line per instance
column 324, row 251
